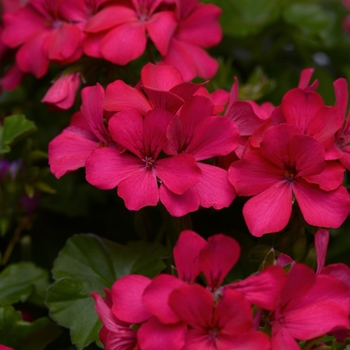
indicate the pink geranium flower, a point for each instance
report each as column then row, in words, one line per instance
column 61, row 94
column 87, row 132
column 47, row 31
column 283, row 167
column 114, row 331
column 310, row 306
column 198, row 28
column 119, row 32
column 222, row 325
column 195, row 131
column 140, row 174
column 163, row 86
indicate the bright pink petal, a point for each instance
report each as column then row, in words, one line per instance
column 214, row 189
column 12, row 78
column 305, row 77
column 156, row 295
column 110, row 16
column 300, row 107
column 179, row 205
column 202, row 27
column 165, row 99
column 186, row 255
column 193, row 304
column 119, row 96
column 270, row 210
column 191, row 60
column 139, row 190
column 193, row 113
column 156, row 335
column 246, row 341
column 126, row 128
column 30, row 57
column 161, row 28
column 69, row 151
column 187, row 89
column 243, row 115
column 321, row 208
column 233, row 314
column 20, row 26
column 91, row 45
column 63, row 43
column 127, row 298
column 264, row 288
column 92, row 98
column 254, row 174
column 340, row 271
column 178, row 173
column 321, row 245
column 215, row 136
column 341, row 96
column 161, row 77
column 330, row 178
column 106, row 167
column 282, row 340
column 217, row 258
column 119, row 50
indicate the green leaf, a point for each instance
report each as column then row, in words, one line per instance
column 88, row 264
column 22, row 335
column 14, row 126
column 21, row 282
column 310, row 18
column 245, row 17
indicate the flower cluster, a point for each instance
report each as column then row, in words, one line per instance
column 61, row 32
column 150, row 142
column 153, row 147
column 180, row 313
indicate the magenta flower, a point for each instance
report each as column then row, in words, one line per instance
column 222, row 325
column 62, row 93
column 195, row 131
column 283, row 167
column 46, row 31
column 163, row 85
column 4, row 347
column 198, row 28
column 119, row 32
column 114, row 333
column 310, row 306
column 140, row 174
column 87, row 132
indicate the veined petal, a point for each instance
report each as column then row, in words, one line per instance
column 106, row 167
column 127, row 49
column 245, row 341
column 281, row 339
column 253, row 173
column 156, row 335
column 92, row 98
column 110, row 16
column 193, row 304
column 120, row 95
column 126, row 128
column 270, row 210
column 214, row 189
column 161, row 28
column 321, row 245
column 139, row 190
column 300, row 107
column 202, row 27
column 156, row 295
column 179, row 204
column 31, row 58
column 178, row 173
column 160, row 76
column 215, row 136
column 321, row 208
column 262, row 289
column 69, row 151
column 217, row 258
column 127, row 298
column 186, row 255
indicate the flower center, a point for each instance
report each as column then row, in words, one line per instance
column 290, row 174
column 149, row 161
